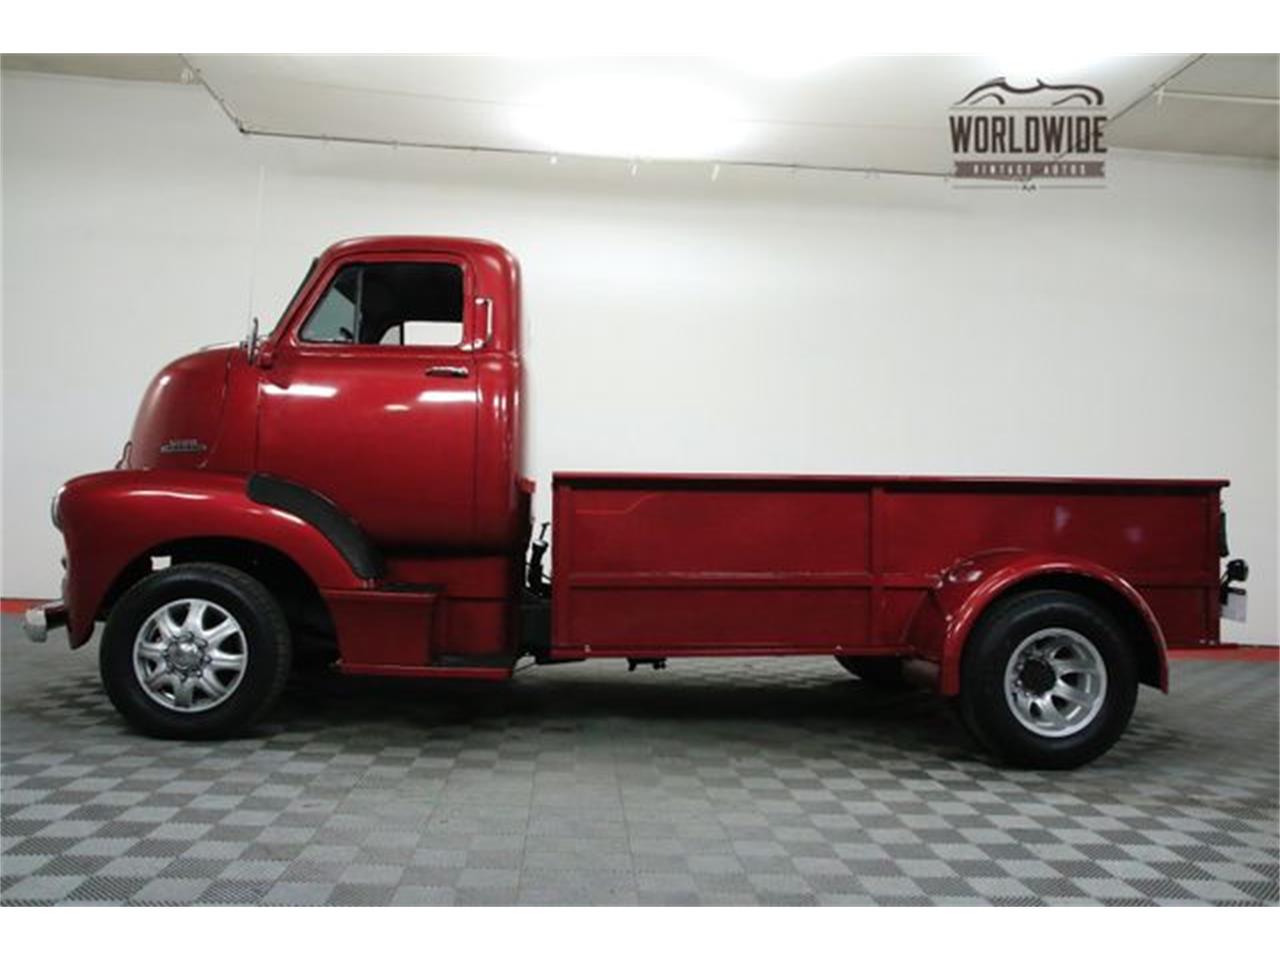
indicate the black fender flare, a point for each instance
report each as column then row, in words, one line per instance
column 322, row 513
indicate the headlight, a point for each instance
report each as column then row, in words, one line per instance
column 54, row 504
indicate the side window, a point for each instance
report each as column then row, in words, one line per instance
column 410, row 304
column 334, row 318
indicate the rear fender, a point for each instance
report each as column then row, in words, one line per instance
column 968, row 588
column 111, row 520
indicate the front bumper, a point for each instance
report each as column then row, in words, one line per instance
column 38, row 621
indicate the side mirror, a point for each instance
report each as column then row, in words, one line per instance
column 1237, row 571
column 1232, row 598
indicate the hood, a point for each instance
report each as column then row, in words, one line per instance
column 180, row 416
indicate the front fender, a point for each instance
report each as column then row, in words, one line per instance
column 109, row 520
column 969, row 587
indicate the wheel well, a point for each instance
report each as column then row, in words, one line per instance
column 1114, row 602
column 298, row 596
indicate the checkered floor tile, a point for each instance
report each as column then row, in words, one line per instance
column 713, row 782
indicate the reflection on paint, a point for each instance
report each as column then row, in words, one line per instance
column 175, row 494
column 1061, row 517
column 300, row 390
column 446, row 396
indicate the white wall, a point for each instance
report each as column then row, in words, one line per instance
column 763, row 322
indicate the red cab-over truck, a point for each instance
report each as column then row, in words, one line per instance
column 350, row 490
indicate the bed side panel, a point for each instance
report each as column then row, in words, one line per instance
column 651, row 566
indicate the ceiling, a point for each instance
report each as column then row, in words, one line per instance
column 880, row 113
column 152, row 67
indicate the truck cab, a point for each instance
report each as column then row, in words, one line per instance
column 363, row 460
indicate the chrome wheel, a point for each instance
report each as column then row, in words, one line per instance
column 1055, row 682
column 190, row 655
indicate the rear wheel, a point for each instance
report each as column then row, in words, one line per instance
column 882, row 672
column 196, row 651
column 1048, row 679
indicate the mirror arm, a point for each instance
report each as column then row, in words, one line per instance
column 250, row 343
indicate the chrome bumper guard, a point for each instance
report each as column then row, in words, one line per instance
column 38, row 621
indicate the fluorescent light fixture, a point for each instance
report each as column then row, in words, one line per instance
column 632, row 116
column 786, row 64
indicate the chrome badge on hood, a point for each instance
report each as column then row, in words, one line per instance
column 183, row 445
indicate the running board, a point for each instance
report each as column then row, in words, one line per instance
column 425, row 673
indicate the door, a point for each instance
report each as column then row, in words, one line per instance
column 371, row 401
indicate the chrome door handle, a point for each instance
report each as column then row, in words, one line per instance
column 447, row 371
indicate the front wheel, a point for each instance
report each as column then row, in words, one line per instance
column 197, row 651
column 1048, row 680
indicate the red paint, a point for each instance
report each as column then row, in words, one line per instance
column 1002, row 569
column 662, row 565
column 113, row 520
column 429, row 468
column 416, row 459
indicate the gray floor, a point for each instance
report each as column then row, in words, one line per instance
column 713, row 782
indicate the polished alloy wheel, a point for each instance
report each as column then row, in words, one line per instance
column 1055, row 682
column 190, row 655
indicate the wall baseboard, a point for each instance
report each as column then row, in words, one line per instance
column 20, row 604
column 1229, row 651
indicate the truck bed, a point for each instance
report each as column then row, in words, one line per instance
column 653, row 565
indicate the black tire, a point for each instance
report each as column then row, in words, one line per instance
column 265, row 641
column 984, row 704
column 883, row 673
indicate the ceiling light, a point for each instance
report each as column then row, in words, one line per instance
column 782, row 65
column 625, row 116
